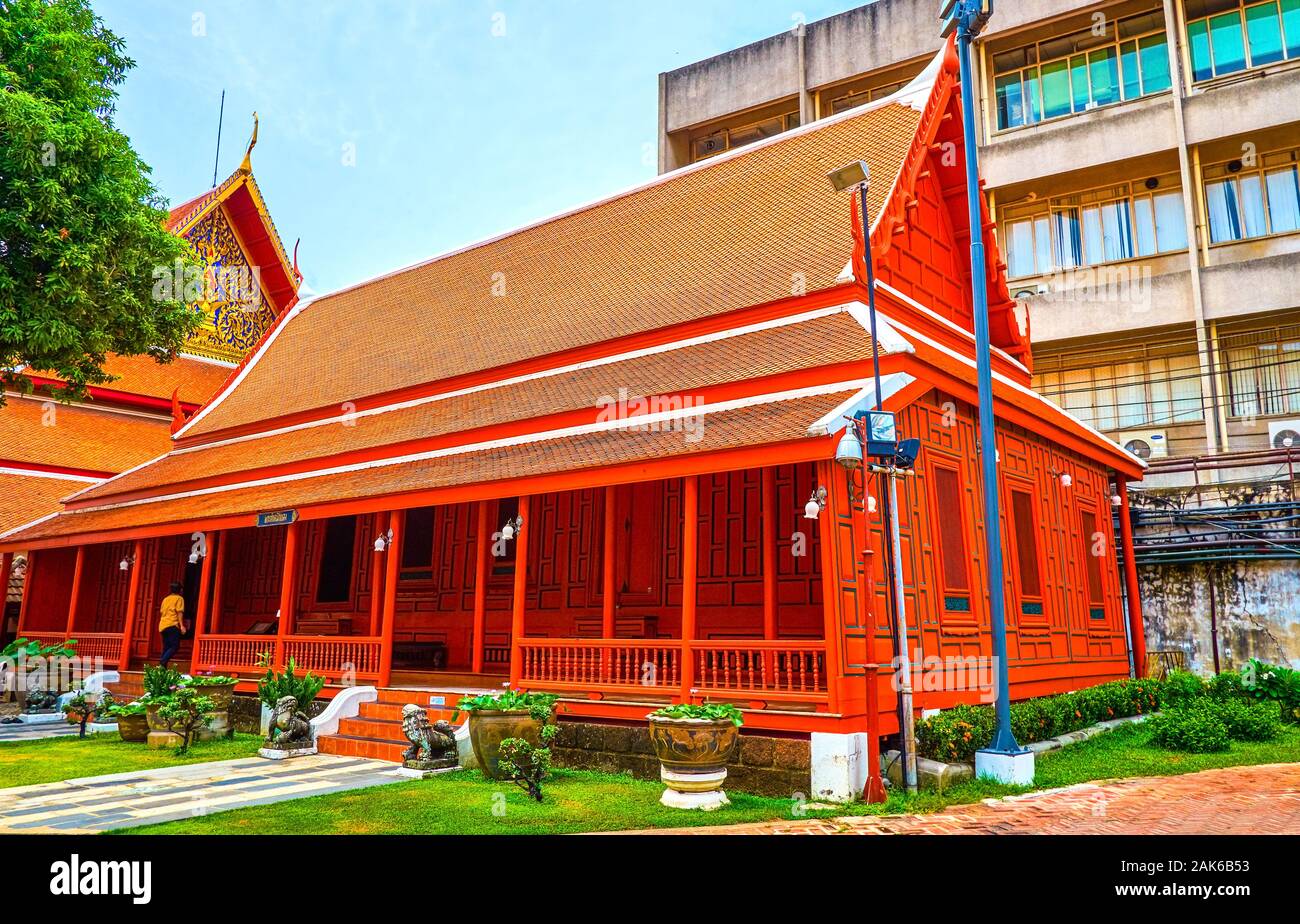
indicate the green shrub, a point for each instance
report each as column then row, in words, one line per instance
column 1195, row 727
column 541, row 706
column 160, row 680
column 1227, row 685
column 1273, row 682
column 1248, row 720
column 714, row 711
column 956, row 734
column 275, row 685
column 1181, row 687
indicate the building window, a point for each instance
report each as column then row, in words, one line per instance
column 1093, row 541
column 1096, row 227
column 954, row 560
column 1066, row 75
column 1245, row 202
column 1226, row 36
column 417, row 544
column 862, row 97
column 726, row 139
column 1024, row 530
column 1145, row 391
column 334, row 583
column 1263, row 372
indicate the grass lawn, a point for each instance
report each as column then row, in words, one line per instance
column 49, row 760
column 464, row 803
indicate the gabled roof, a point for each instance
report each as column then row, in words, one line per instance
column 742, row 229
column 26, row 495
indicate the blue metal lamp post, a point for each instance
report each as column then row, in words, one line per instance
column 1003, row 759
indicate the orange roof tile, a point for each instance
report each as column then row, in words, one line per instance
column 197, row 379
column 834, row 338
column 75, row 436
column 729, row 233
column 754, row 425
column 24, row 498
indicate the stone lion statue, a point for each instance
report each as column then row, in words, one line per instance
column 290, row 729
column 434, row 742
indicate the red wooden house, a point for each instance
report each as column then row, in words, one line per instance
column 646, row 390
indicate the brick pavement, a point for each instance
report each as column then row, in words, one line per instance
column 1235, row 800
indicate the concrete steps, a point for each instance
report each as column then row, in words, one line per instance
column 377, row 732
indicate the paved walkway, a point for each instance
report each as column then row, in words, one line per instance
column 1237, row 800
column 21, row 731
column 126, row 800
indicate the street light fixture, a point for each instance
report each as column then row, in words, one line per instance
column 1003, row 759
column 876, row 428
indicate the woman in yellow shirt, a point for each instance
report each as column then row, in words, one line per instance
column 171, row 622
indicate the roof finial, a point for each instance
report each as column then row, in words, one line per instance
column 247, row 165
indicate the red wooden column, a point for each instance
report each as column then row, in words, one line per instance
column 76, row 589
column 608, row 585
column 520, row 595
column 218, row 586
column 770, row 515
column 202, row 611
column 690, row 578
column 132, row 602
column 392, row 566
column 377, row 577
column 288, row 589
column 482, row 560
column 27, row 586
column 6, row 569
column 1137, row 630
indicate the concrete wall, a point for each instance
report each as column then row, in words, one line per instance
column 1257, row 604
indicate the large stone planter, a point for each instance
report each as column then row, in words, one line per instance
column 133, row 727
column 221, row 696
column 693, row 755
column 159, row 736
column 488, row 728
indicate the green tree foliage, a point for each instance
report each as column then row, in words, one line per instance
column 85, row 258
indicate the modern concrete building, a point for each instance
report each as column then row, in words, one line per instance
column 1140, row 159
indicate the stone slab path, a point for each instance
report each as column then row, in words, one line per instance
column 1235, row 800
column 126, row 800
column 21, row 731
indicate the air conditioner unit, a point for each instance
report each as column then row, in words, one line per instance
column 1145, row 444
column 1280, row 431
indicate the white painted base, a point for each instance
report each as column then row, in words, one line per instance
column 839, row 766
column 699, row 801
column 1016, row 769
column 101, row 727
column 41, row 718
column 411, row 773
column 277, row 754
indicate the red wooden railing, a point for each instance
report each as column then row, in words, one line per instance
column 231, row 654
column 335, row 657
column 652, row 665
column 781, row 669
column 45, row 638
column 106, row 645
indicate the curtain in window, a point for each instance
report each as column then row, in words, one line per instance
column 1221, row 200
column 1171, row 226
column 1252, row 206
column 1243, row 381
column 1283, row 199
column 1144, row 227
column 1117, row 231
column 1020, row 249
column 1067, row 244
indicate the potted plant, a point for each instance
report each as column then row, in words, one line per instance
column 221, row 690
column 693, row 742
column 183, row 714
column 160, row 683
column 495, row 717
column 276, row 685
column 132, row 723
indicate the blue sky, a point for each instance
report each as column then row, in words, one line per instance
column 457, row 133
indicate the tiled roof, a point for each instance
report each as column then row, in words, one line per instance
column 754, row 425
column 74, row 436
column 726, row 234
column 197, row 379
column 24, row 498
column 819, row 341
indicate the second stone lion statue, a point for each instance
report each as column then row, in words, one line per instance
column 290, row 729
column 430, row 742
